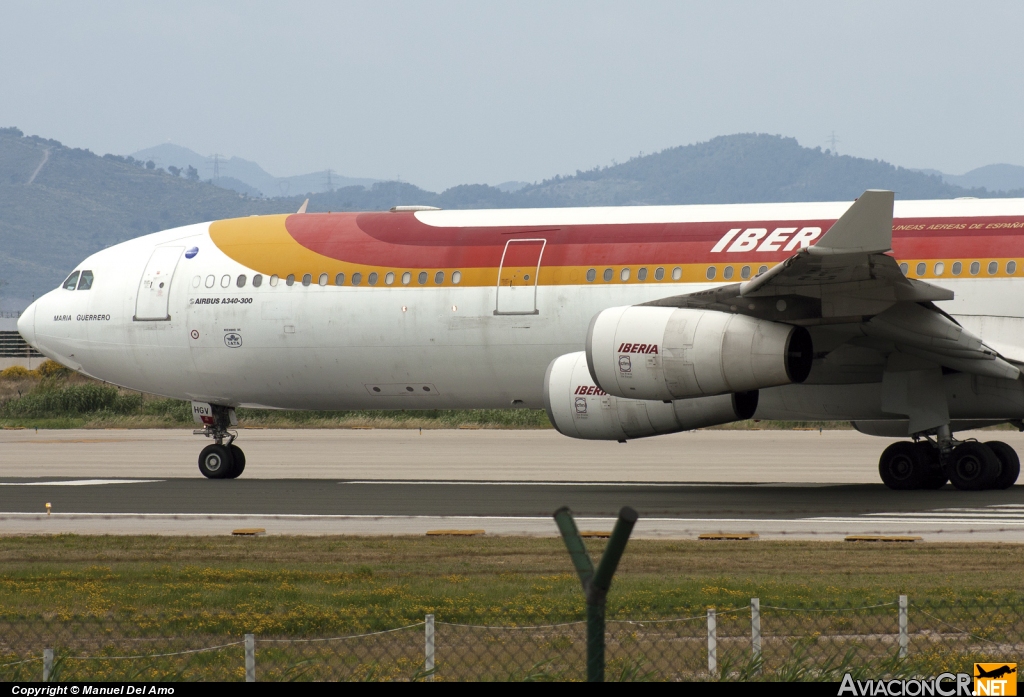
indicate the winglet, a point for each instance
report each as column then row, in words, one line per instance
column 302, row 208
column 866, row 226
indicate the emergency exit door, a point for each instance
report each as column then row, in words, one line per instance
column 151, row 305
column 517, row 277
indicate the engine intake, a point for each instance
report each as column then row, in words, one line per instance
column 668, row 353
column 580, row 409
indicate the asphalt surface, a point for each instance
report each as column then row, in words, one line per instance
column 511, row 499
column 790, row 484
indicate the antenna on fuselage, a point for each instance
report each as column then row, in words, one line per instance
column 302, row 208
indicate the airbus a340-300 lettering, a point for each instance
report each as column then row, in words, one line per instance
column 905, row 318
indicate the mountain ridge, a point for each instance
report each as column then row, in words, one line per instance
column 245, row 176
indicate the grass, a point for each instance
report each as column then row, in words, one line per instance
column 127, row 595
column 364, row 583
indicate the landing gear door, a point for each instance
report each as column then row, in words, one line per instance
column 151, row 304
column 517, row 277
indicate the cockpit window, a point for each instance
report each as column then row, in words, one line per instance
column 71, row 281
column 85, row 282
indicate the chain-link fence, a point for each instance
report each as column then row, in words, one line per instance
column 901, row 638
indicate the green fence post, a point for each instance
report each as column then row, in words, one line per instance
column 595, row 583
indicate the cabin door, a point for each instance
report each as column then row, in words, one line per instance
column 155, row 287
column 517, row 277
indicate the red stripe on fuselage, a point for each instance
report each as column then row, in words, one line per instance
column 401, row 240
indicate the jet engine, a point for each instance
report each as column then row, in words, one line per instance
column 580, row 409
column 666, row 353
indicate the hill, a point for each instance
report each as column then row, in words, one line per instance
column 999, row 177
column 60, row 204
column 245, row 176
column 742, row 168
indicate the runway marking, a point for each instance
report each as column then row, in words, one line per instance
column 699, row 521
column 485, row 482
column 52, row 441
column 83, row 482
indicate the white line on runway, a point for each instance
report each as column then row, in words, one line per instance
column 480, row 482
column 701, row 521
column 83, row 482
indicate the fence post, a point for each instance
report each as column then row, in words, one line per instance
column 712, row 641
column 47, row 664
column 596, row 582
column 904, row 634
column 428, row 660
column 250, row 658
column 755, row 631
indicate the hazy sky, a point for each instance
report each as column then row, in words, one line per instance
column 442, row 93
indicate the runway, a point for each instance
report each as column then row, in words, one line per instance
column 393, row 482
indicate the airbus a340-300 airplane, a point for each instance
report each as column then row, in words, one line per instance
column 906, row 319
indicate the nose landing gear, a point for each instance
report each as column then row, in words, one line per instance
column 221, row 460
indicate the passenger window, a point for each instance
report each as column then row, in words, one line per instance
column 727, row 273
column 659, row 273
column 225, row 281
column 677, row 273
column 196, row 280
column 591, row 275
column 439, row 277
column 608, row 273
column 641, row 275
column 85, row 282
column 624, row 275
column 257, row 281
column 357, row 278
column 406, row 278
column 921, row 268
column 957, row 268
column 975, row 268
column 241, row 280
column 372, row 278
column 274, row 279
column 1011, row 267
column 939, row 268
column 745, row 272
column 422, row 278
column 761, row 270
column 339, row 280
column 456, row 277
column 711, row 272
column 71, row 281
column 307, row 279
column 904, row 268
column 389, row 278
column 323, row 279
column 993, row 267
column 210, row 280
column 290, row 281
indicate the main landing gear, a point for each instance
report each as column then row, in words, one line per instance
column 969, row 465
column 221, row 460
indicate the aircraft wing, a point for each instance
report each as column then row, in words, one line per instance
column 849, row 277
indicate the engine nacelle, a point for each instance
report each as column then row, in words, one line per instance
column 580, row 409
column 662, row 353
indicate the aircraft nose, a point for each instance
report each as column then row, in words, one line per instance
column 27, row 325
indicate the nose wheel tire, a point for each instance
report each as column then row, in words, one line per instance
column 1009, row 464
column 215, row 462
column 974, row 467
column 904, row 466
